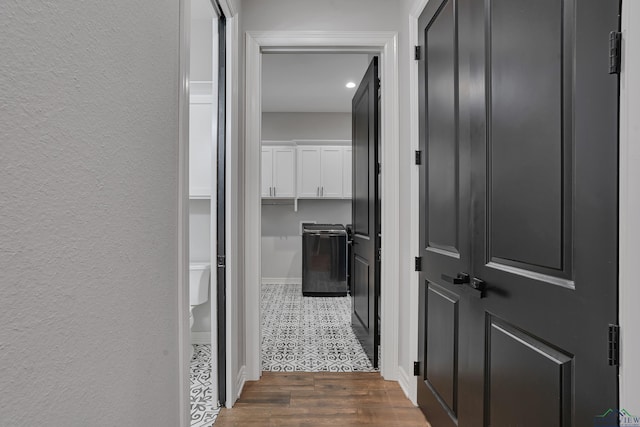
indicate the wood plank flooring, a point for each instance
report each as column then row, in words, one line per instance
column 321, row 399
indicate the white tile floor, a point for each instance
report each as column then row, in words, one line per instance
column 203, row 409
column 308, row 334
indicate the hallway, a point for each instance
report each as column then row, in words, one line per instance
column 322, row 398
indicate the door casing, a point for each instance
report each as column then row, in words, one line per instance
column 384, row 44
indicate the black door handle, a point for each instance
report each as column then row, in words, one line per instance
column 479, row 286
column 460, row 279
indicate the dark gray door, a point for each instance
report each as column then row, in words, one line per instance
column 221, row 211
column 519, row 283
column 365, row 222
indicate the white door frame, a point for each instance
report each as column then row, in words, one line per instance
column 385, row 44
column 184, row 334
column 629, row 226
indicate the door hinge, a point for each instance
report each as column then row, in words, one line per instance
column 615, row 51
column 379, row 83
column 418, row 157
column 379, row 168
column 416, row 54
column 614, row 345
column 418, row 263
column 416, row 369
column 222, row 261
column 379, row 254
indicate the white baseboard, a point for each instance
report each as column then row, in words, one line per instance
column 281, row 280
column 240, row 380
column 408, row 385
column 200, row 337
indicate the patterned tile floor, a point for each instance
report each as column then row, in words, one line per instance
column 203, row 409
column 309, row 334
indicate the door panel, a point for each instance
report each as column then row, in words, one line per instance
column 535, row 141
column 266, row 181
column 309, row 172
column 366, row 239
column 361, row 290
column 527, row 379
column 442, row 146
column 442, row 334
column 331, row 161
column 526, row 132
column 284, row 172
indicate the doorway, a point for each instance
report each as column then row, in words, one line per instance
column 307, row 194
column 374, row 43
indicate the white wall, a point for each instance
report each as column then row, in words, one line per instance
column 281, row 239
column 358, row 15
column 293, row 126
column 201, row 49
column 88, row 228
column 629, row 207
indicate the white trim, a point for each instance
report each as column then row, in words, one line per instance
column 232, row 303
column 228, row 8
column 281, row 280
column 241, row 379
column 386, row 44
column 213, row 203
column 184, row 340
column 407, row 383
column 629, row 231
column 201, row 99
column 201, row 338
column 253, row 206
column 411, row 389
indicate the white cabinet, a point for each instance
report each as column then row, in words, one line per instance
column 321, row 172
column 309, row 180
column 347, row 187
column 331, row 172
column 200, row 143
column 278, row 172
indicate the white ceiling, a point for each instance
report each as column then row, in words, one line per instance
column 310, row 82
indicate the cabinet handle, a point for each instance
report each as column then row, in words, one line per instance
column 270, row 192
column 322, row 191
column 274, row 192
column 318, row 191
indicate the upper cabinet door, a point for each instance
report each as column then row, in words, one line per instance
column 267, row 172
column 347, row 189
column 200, row 142
column 309, row 182
column 331, row 160
column 284, row 172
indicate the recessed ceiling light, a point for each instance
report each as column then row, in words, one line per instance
column 351, row 85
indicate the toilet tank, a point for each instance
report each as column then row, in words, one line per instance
column 199, row 274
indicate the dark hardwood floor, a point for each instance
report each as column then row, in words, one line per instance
column 322, row 399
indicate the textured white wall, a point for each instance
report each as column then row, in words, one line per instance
column 88, row 213
column 292, row 126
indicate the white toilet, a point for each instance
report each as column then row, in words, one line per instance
column 199, row 275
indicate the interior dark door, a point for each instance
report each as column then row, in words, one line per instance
column 444, row 210
column 221, row 220
column 365, row 233
column 524, row 339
